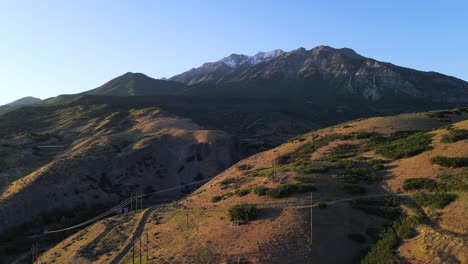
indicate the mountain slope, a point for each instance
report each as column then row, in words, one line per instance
column 29, row 100
column 65, row 157
column 320, row 71
column 353, row 187
column 137, row 84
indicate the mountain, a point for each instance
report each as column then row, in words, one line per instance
column 377, row 197
column 25, row 101
column 321, row 71
column 29, row 100
column 137, row 84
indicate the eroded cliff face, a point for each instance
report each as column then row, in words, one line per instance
column 156, row 153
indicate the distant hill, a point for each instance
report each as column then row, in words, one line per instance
column 320, row 71
column 28, row 100
column 137, row 84
column 25, row 101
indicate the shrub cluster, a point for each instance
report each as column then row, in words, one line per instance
column 243, row 213
column 455, row 135
column 231, row 182
column 243, row 167
column 260, row 190
column 419, row 183
column 282, row 191
column 218, row 198
column 310, row 166
column 436, row 200
column 382, row 251
column 355, row 175
column 452, row 162
column 242, row 192
column 377, row 164
column 456, row 182
column 406, row 147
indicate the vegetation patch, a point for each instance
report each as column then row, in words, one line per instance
column 419, row 184
column 305, row 179
column 232, row 182
column 377, row 164
column 435, row 200
column 383, row 250
column 355, row 175
column 260, row 190
column 344, row 151
column 243, row 213
column 452, row 162
column 456, row 182
column 311, row 166
column 218, row 198
column 406, row 147
column 455, row 135
column 242, row 192
column 244, row 167
column 386, row 207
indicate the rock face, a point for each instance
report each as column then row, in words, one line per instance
column 322, row 70
column 160, row 151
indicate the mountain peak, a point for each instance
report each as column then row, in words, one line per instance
column 235, row 60
column 344, row 51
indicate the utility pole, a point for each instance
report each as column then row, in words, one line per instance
column 133, row 252
column 186, row 213
column 131, row 202
column 147, row 246
column 141, row 201
column 34, row 252
column 311, row 222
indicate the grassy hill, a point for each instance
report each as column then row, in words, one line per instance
column 385, row 190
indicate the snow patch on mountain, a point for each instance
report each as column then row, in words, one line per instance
column 235, row 60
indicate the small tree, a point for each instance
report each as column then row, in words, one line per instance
column 243, row 213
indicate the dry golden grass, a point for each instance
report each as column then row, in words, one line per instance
column 281, row 234
column 98, row 243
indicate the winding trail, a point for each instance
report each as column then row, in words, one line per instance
column 136, row 235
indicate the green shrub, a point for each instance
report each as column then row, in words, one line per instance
column 452, row 162
column 456, row 182
column 355, row 175
column 436, row 200
column 243, row 213
column 354, row 189
column 388, row 207
column 381, row 252
column 242, row 192
column 406, row 147
column 231, row 182
column 282, row 191
column 419, row 183
column 377, row 164
column 243, row 167
column 405, row 227
column 310, row 166
column 344, row 150
column 260, row 190
column 304, row 179
column 216, row 198
column 455, row 135
column 343, row 164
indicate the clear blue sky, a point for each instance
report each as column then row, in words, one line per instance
column 66, row 46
